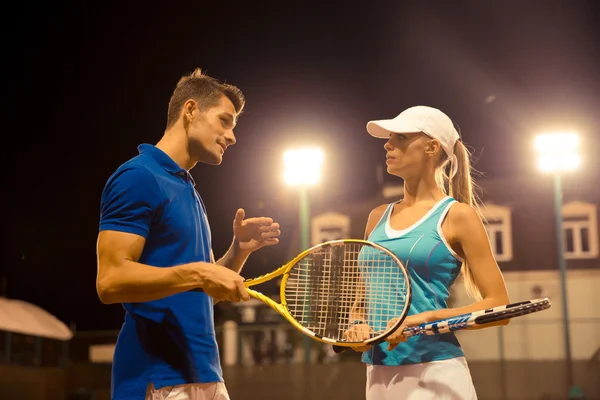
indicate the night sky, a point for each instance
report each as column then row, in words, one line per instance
column 85, row 86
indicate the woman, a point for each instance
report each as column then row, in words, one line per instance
column 437, row 232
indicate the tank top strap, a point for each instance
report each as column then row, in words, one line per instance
column 385, row 216
column 442, row 208
column 437, row 214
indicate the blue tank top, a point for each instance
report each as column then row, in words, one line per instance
column 433, row 267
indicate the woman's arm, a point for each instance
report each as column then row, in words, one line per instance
column 469, row 237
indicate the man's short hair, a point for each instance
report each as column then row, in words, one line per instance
column 205, row 90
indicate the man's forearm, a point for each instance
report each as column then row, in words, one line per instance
column 234, row 258
column 132, row 282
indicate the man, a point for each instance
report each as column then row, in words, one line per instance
column 155, row 257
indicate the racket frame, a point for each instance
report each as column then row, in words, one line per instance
column 482, row 317
column 282, row 309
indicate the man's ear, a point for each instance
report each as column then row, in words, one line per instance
column 190, row 107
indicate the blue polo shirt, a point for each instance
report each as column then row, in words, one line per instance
column 170, row 341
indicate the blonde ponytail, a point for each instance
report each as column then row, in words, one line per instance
column 461, row 187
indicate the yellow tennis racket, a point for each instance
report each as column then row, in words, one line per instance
column 334, row 285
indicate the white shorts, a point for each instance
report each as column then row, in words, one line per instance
column 446, row 379
column 195, row 391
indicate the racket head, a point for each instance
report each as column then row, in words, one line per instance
column 327, row 286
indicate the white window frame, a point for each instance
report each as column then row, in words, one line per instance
column 587, row 218
column 329, row 226
column 502, row 217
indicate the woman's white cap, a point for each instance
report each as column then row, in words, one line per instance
column 431, row 121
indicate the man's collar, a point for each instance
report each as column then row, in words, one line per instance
column 161, row 157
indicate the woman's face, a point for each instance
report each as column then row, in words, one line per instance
column 408, row 154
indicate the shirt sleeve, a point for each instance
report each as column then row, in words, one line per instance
column 130, row 201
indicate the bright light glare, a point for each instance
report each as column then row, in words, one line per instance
column 558, row 152
column 302, row 166
column 557, row 142
column 566, row 162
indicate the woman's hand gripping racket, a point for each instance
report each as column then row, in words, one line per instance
column 471, row 320
column 330, row 287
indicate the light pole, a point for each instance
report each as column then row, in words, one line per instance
column 557, row 154
column 303, row 169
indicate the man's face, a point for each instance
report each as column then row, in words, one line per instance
column 211, row 132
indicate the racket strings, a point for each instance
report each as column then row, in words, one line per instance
column 339, row 285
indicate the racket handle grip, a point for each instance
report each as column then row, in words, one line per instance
column 339, row 349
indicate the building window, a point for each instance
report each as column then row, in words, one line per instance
column 329, row 226
column 580, row 228
column 499, row 230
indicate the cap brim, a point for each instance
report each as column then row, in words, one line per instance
column 381, row 129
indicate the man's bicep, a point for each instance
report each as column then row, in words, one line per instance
column 114, row 247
